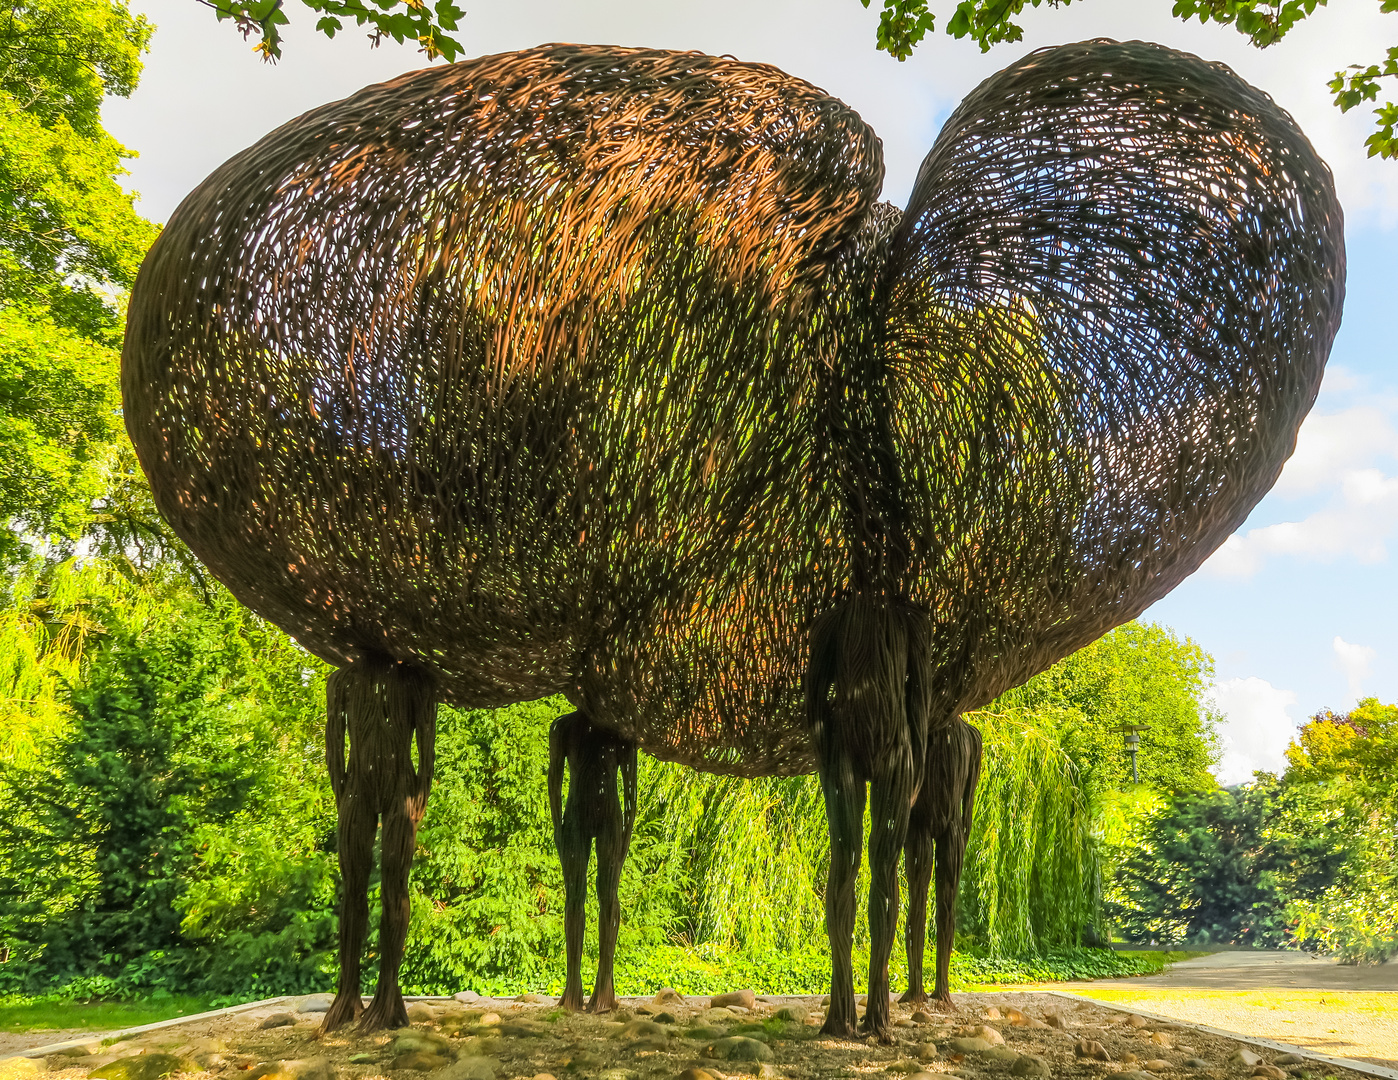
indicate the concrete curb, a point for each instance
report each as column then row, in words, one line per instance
column 1343, row 1063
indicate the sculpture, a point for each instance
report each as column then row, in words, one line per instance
column 593, row 757
column 939, row 825
column 599, row 371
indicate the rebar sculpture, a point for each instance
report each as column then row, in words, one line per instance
column 939, row 826
column 592, row 758
column 599, row 371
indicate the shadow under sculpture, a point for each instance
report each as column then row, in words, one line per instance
column 602, row 372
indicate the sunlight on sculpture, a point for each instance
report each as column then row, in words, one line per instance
column 601, row 372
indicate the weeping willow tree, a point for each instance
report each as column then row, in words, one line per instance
column 758, row 850
column 1032, row 879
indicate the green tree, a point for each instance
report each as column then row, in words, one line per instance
column 1343, row 766
column 904, row 23
column 1142, row 674
column 176, row 725
column 70, row 244
column 1223, row 865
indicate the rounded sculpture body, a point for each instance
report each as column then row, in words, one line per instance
column 602, row 372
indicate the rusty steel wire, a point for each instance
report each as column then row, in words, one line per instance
column 600, row 371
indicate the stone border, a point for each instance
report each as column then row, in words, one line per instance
column 1270, row 1044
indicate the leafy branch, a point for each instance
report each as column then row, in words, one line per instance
column 903, row 24
column 430, row 24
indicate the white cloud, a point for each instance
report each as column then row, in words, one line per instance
column 1347, row 454
column 1332, row 445
column 1256, row 729
column 1355, row 525
column 1354, row 661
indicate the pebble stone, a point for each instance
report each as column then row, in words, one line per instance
column 1158, row 1065
column 1030, row 1065
column 276, row 1020
column 1092, row 1050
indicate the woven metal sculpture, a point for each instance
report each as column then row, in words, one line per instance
column 599, row 371
column 594, row 758
column 938, row 828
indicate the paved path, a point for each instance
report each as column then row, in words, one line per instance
column 1262, row 969
column 1274, row 994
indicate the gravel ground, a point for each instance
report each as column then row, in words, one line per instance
column 1014, row 1034
column 1352, row 1024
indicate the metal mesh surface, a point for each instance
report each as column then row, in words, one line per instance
column 600, row 371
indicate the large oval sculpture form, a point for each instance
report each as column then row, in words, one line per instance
column 601, row 372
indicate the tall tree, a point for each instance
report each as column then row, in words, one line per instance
column 70, row 244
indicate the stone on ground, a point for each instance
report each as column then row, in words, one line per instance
column 1288, row 1059
column 1137, row 1021
column 983, row 1031
column 20, row 1068
column 927, row 1052
column 1030, row 1065
column 1134, row 1074
column 276, row 1020
column 296, row 1069
column 1245, row 1057
column 921, row 1017
column 992, row 1013
column 1092, row 1050
column 1163, row 1038
column 668, row 995
column 411, row 1041
column 738, row 1048
column 315, row 1003
column 466, row 997
column 795, row 1014
column 419, row 1012
column 1196, row 1063
column 1056, row 1020
column 1157, row 1065
column 144, row 1067
column 744, row 999
column 903, row 1066
column 968, row 1046
column 1270, row 1072
column 472, row 1068
column 696, row 1074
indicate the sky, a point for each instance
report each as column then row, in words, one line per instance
column 1293, row 607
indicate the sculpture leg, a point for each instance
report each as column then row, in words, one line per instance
column 890, row 796
column 574, row 848
column 918, row 862
column 387, row 1010
column 951, row 850
column 844, row 811
column 611, row 857
column 357, row 826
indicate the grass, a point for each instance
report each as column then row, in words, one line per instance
column 47, row 1014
